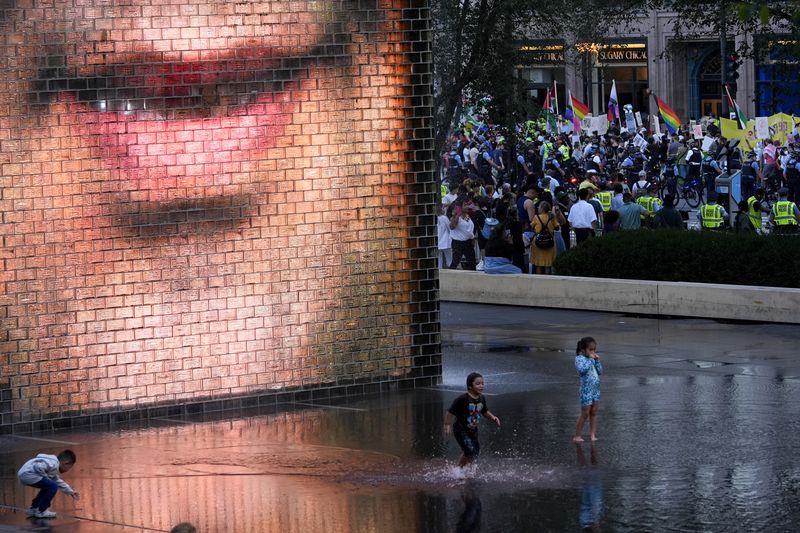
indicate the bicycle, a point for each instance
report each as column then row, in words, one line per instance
column 690, row 190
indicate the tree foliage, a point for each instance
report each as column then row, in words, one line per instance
column 763, row 19
column 475, row 47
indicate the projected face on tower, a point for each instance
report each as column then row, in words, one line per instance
column 201, row 198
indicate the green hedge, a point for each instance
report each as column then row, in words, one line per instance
column 698, row 256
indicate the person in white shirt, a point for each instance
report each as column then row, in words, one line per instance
column 641, row 185
column 42, row 472
column 462, row 235
column 582, row 217
column 445, row 253
column 451, row 196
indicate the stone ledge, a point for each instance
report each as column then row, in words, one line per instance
column 707, row 300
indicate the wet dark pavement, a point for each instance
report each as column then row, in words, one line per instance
column 697, row 433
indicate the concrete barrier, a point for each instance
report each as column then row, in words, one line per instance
column 733, row 302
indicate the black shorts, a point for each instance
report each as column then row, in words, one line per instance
column 467, row 440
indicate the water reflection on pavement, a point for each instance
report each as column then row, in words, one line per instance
column 695, row 435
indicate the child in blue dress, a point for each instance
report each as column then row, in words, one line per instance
column 588, row 365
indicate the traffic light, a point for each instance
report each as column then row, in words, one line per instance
column 732, row 67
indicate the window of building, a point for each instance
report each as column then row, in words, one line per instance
column 777, row 72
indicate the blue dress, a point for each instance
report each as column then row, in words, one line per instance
column 589, row 370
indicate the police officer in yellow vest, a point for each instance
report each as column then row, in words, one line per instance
column 564, row 150
column 712, row 216
column 755, row 206
column 650, row 202
column 785, row 214
column 605, row 197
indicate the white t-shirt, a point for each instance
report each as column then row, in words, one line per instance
column 581, row 215
column 474, row 153
column 444, row 233
column 639, row 185
column 464, row 230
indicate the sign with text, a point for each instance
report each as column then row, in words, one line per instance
column 542, row 53
column 762, row 127
column 623, row 53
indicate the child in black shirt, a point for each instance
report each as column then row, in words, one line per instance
column 467, row 410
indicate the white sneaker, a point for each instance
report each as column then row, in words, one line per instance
column 479, row 266
column 45, row 514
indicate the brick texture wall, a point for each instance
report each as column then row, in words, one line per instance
column 206, row 199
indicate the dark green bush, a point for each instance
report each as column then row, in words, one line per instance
column 697, row 256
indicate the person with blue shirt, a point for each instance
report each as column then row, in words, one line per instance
column 628, row 163
column 751, row 173
column 710, row 171
column 792, row 174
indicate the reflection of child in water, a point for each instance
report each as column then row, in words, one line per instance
column 467, row 410
column 470, row 519
column 588, row 365
column 592, row 497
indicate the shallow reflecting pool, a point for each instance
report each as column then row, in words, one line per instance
column 697, row 427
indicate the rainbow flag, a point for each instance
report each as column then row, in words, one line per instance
column 671, row 119
column 575, row 112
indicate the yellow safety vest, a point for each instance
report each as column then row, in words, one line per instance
column 754, row 211
column 783, row 213
column 605, row 200
column 564, row 149
column 443, row 189
column 547, row 148
column 649, row 203
column 712, row 216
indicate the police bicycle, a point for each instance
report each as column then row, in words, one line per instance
column 692, row 191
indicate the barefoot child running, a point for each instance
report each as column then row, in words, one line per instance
column 467, row 410
column 588, row 365
column 42, row 472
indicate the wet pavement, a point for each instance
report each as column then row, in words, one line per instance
column 697, row 433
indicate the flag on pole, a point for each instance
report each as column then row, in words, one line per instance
column 549, row 111
column 575, row 112
column 613, row 103
column 555, row 97
column 671, row 119
column 740, row 116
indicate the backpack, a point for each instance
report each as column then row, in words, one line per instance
column 544, row 239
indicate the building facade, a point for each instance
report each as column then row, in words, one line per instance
column 636, row 56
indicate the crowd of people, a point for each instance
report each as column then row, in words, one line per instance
column 514, row 209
